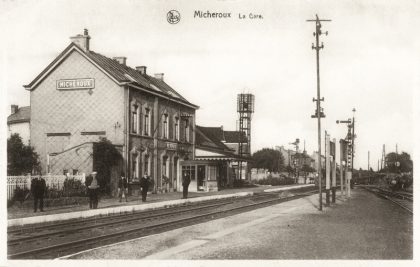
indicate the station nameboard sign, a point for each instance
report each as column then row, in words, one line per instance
column 171, row 146
column 69, row 84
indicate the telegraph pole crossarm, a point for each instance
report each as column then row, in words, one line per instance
column 319, row 112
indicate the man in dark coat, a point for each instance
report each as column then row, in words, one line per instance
column 123, row 187
column 92, row 186
column 38, row 187
column 144, row 184
column 185, row 183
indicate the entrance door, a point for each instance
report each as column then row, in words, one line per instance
column 201, row 176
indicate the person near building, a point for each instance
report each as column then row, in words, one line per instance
column 144, row 184
column 93, row 187
column 38, row 187
column 123, row 187
column 185, row 183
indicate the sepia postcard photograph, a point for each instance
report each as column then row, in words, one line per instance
column 209, row 133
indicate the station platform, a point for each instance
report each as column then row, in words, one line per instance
column 362, row 227
column 25, row 215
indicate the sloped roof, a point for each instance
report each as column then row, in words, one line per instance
column 123, row 74
column 210, row 138
column 234, row 136
column 22, row 115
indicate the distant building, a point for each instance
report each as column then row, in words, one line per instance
column 82, row 96
column 287, row 155
column 19, row 122
column 215, row 164
column 314, row 163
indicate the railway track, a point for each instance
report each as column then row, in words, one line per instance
column 401, row 199
column 57, row 240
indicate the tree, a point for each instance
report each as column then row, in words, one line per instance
column 268, row 158
column 398, row 162
column 106, row 155
column 289, row 169
column 21, row 159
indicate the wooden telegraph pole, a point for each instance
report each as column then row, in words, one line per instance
column 318, row 112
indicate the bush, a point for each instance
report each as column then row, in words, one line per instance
column 20, row 194
column 238, row 183
column 73, row 188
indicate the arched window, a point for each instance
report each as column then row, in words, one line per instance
column 135, row 118
column 176, row 128
column 186, row 130
column 134, row 165
column 165, row 126
column 146, row 164
column 165, row 166
column 147, row 121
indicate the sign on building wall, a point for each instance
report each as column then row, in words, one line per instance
column 69, row 84
column 171, row 146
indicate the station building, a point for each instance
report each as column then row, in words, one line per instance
column 216, row 159
column 82, row 96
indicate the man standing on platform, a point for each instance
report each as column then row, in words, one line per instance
column 185, row 183
column 144, row 184
column 38, row 187
column 92, row 185
column 123, row 187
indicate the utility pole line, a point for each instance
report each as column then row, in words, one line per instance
column 318, row 112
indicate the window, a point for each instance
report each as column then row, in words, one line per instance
column 188, row 171
column 75, row 172
column 146, row 164
column 134, row 166
column 187, row 131
column 134, row 119
column 212, row 173
column 165, row 128
column 147, row 122
column 176, row 134
column 165, row 166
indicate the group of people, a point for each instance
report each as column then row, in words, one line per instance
column 145, row 182
column 38, row 189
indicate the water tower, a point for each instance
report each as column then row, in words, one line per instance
column 245, row 110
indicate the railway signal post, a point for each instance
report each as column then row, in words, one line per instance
column 349, row 153
column 318, row 112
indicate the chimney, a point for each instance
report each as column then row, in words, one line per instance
column 82, row 40
column 141, row 69
column 14, row 108
column 121, row 60
column 159, row 76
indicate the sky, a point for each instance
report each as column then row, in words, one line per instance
column 370, row 61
